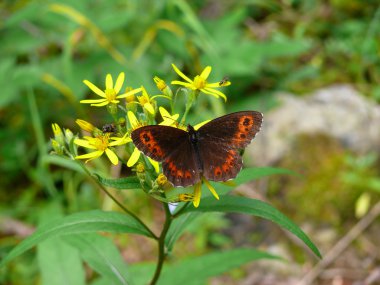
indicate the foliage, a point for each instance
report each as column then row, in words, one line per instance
column 48, row 47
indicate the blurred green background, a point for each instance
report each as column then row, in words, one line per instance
column 48, row 47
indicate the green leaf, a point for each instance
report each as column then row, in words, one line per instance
column 59, row 263
column 85, row 222
column 253, row 207
column 143, row 272
column 248, row 174
column 131, row 182
column 253, row 173
column 177, row 227
column 102, row 255
column 196, row 270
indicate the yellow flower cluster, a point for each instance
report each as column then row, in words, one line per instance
column 128, row 117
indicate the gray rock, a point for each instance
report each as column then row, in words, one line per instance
column 338, row 111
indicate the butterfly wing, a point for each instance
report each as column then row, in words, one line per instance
column 220, row 141
column 173, row 148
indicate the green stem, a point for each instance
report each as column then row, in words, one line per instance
column 116, row 201
column 181, row 210
column 161, row 244
column 41, row 145
column 189, row 104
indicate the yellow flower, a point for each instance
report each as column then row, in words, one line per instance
column 136, row 153
column 162, row 86
column 200, row 83
column 168, row 120
column 109, row 95
column 58, row 134
column 84, row 125
column 148, row 102
column 160, row 83
column 101, row 144
column 198, row 192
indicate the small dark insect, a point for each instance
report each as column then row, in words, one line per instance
column 224, row 80
column 109, row 128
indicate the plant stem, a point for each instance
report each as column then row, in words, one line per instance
column 117, row 202
column 161, row 244
column 189, row 104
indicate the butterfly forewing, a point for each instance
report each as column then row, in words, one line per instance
column 220, row 141
column 172, row 147
column 235, row 130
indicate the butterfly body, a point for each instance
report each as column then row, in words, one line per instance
column 212, row 151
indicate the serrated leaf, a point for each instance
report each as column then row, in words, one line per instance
column 253, row 207
column 198, row 269
column 85, row 222
column 59, row 263
column 127, row 183
column 102, row 255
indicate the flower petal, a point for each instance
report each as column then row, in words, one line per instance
column 134, row 157
column 123, row 139
column 119, row 82
column 214, row 93
column 197, row 194
column 84, row 143
column 179, row 72
column 197, row 126
column 95, row 89
column 109, row 81
column 212, row 189
column 112, row 156
column 129, row 93
column 164, row 113
column 149, row 107
column 90, row 101
column 132, row 120
column 120, row 141
column 101, row 104
column 91, row 155
column 206, row 72
column 187, row 85
column 155, row 165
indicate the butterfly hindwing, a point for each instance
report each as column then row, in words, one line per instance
column 220, row 141
column 172, row 147
column 181, row 167
column 220, row 163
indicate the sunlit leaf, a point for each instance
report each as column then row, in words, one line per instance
column 102, row 255
column 127, row 183
column 59, row 263
column 198, row 269
column 85, row 222
column 253, row 207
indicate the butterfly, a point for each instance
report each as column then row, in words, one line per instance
column 212, row 151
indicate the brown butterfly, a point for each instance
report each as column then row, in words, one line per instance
column 212, row 151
